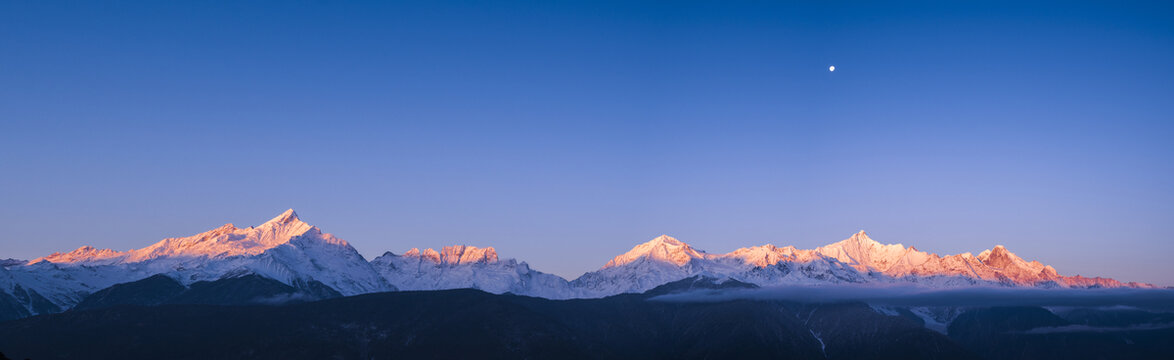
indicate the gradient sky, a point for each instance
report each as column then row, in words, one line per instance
column 563, row 133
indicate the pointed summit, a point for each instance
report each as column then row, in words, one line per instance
column 462, row 254
column 861, row 237
column 286, row 217
column 665, row 239
column 999, row 257
column 859, row 240
column 663, row 248
column 863, row 253
column 224, row 241
column 228, row 240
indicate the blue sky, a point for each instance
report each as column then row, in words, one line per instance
column 564, row 133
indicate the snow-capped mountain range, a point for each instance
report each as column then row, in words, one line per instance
column 285, row 249
column 457, row 267
column 293, row 252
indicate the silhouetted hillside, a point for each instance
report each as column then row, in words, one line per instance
column 452, row 324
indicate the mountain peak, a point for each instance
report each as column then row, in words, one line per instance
column 462, row 254
column 286, row 217
column 666, row 240
column 863, row 253
column 663, row 248
column 84, row 253
column 456, row 255
column 224, row 241
column 859, row 241
column 999, row 257
column 765, row 255
column 861, row 237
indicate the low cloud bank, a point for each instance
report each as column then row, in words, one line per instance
column 1086, row 328
column 1150, row 299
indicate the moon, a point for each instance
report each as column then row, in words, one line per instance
column 832, row 68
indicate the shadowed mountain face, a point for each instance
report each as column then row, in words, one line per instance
column 24, row 302
column 699, row 283
column 241, row 290
column 1036, row 333
column 154, row 290
column 474, row 324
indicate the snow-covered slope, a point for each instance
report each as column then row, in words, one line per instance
column 998, row 265
column 291, row 251
column 665, row 259
column 459, row 267
column 862, row 253
column 857, row 259
column 284, row 249
column 648, row 265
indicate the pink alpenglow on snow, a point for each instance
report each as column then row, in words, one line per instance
column 291, row 251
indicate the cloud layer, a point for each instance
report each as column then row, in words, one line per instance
column 1151, row 299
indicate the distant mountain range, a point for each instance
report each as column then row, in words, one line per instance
column 301, row 261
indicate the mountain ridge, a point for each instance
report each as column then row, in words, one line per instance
column 284, row 249
column 293, row 252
